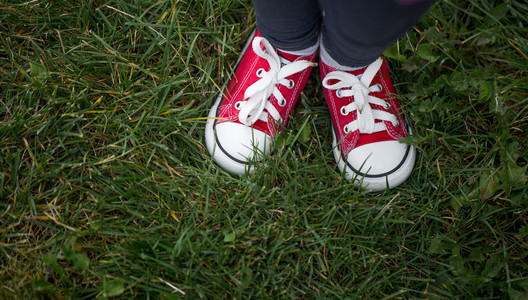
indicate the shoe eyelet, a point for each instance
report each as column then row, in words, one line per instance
column 338, row 93
column 346, row 129
column 260, row 72
column 387, row 106
column 379, row 86
column 397, row 124
column 282, row 103
column 291, row 84
column 238, row 105
column 343, row 111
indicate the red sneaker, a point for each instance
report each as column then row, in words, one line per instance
column 255, row 105
column 367, row 123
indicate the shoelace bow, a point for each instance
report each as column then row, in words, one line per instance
column 258, row 94
column 348, row 85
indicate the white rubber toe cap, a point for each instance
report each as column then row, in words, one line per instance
column 377, row 164
column 377, row 159
column 234, row 146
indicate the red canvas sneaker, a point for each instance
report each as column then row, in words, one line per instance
column 255, row 104
column 367, row 123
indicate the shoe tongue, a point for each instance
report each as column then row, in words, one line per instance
column 359, row 72
column 286, row 58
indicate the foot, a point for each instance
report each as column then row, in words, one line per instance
column 255, row 105
column 367, row 123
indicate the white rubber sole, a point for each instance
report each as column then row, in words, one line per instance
column 376, row 182
column 222, row 158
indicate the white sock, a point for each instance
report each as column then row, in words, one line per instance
column 308, row 51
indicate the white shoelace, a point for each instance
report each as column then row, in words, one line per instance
column 359, row 87
column 258, row 94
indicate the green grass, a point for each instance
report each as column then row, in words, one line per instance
column 107, row 188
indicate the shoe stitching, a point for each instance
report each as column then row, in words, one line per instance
column 228, row 107
column 243, row 82
column 347, row 141
column 394, row 133
column 297, row 89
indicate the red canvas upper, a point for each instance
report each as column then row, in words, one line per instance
column 356, row 138
column 246, row 74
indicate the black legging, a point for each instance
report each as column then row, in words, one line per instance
column 355, row 32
